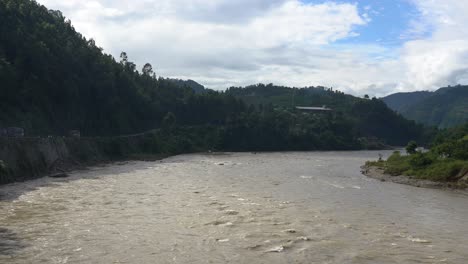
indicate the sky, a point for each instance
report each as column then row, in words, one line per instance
column 374, row 47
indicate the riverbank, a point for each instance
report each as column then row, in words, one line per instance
column 378, row 173
column 24, row 159
column 30, row 158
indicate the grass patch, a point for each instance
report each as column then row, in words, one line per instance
column 444, row 170
column 425, row 166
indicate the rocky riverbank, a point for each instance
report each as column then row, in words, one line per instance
column 29, row 158
column 379, row 174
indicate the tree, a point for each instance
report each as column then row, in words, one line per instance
column 147, row 69
column 366, row 96
column 123, row 58
column 169, row 121
column 411, row 147
column 92, row 42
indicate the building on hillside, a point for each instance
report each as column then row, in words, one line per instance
column 74, row 133
column 314, row 109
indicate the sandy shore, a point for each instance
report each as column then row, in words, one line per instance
column 378, row 173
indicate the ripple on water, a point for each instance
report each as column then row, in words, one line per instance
column 251, row 209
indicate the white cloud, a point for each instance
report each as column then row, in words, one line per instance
column 219, row 43
column 223, row 42
column 442, row 58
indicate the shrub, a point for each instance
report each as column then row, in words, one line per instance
column 397, row 164
column 380, row 163
column 419, row 160
column 442, row 171
column 411, row 147
column 396, row 156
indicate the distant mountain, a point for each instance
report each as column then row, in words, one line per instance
column 196, row 87
column 400, row 102
column 446, row 107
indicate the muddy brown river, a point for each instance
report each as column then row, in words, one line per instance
column 310, row 207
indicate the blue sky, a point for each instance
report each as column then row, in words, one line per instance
column 387, row 26
column 389, row 21
column 359, row 46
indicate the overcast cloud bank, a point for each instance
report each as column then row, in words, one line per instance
column 234, row 43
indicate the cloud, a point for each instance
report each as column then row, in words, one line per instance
column 223, row 43
column 441, row 58
column 211, row 41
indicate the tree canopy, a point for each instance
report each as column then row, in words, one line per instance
column 54, row 80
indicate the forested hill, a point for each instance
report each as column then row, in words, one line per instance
column 365, row 117
column 196, row 87
column 400, row 102
column 54, row 80
column 446, row 107
column 291, row 97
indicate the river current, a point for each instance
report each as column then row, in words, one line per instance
column 299, row 207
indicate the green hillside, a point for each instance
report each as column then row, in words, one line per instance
column 55, row 80
column 369, row 117
column 446, row 107
column 400, row 102
column 291, row 97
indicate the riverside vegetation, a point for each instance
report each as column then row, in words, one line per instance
column 446, row 161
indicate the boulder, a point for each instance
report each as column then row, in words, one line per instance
column 59, row 175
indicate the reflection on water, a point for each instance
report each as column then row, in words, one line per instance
column 236, row 208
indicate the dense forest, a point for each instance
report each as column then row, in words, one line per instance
column 361, row 117
column 55, row 80
column 446, row 107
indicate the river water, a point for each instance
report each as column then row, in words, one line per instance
column 311, row 207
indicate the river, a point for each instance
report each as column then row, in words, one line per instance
column 299, row 207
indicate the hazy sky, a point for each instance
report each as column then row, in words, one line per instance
column 364, row 46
